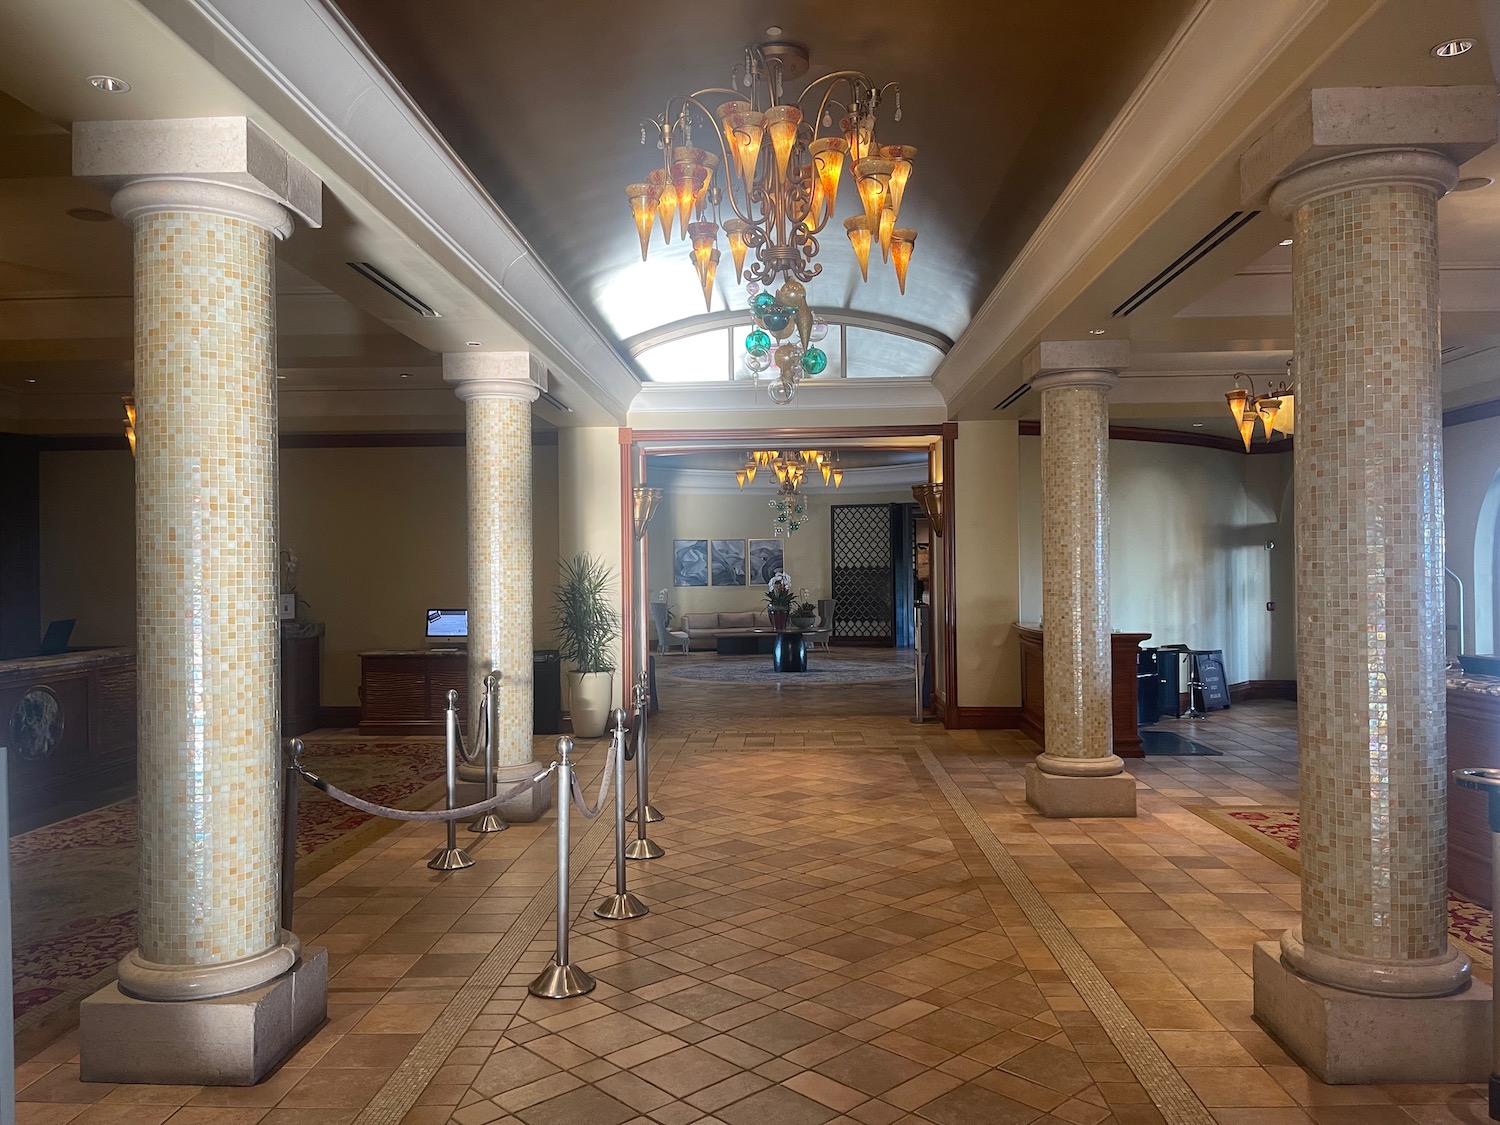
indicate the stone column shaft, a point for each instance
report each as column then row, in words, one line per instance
column 1075, row 584
column 497, row 389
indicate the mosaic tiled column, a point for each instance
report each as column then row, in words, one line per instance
column 208, row 639
column 1370, row 646
column 497, row 389
column 1078, row 774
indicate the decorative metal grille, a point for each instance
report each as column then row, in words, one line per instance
column 863, row 573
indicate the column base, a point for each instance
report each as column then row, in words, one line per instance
column 1069, row 797
column 529, row 806
column 1346, row 1037
column 226, row 1041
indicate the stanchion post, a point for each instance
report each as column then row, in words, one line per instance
column 641, row 847
column 452, row 857
column 641, row 697
column 622, row 904
column 918, row 608
column 1487, row 781
column 489, row 822
column 561, row 979
column 289, row 779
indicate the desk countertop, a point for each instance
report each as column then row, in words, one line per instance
column 37, row 666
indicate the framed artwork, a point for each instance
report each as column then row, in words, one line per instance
column 690, row 562
column 765, row 560
column 727, row 559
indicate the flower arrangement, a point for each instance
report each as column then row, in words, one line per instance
column 779, row 591
column 806, row 609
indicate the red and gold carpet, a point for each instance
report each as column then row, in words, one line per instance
column 1276, row 832
column 73, row 883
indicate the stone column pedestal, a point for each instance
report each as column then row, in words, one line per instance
column 1368, row 988
column 216, row 992
column 1079, row 774
column 497, row 389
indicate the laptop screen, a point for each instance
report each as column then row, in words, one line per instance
column 57, row 637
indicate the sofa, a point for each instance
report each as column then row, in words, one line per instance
column 705, row 629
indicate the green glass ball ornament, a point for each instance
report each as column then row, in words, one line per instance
column 775, row 317
column 814, row 361
column 761, row 301
column 757, row 341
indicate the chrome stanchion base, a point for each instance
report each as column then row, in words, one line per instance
column 451, row 859
column 488, row 822
column 558, row 982
column 644, row 849
column 653, row 815
column 616, row 908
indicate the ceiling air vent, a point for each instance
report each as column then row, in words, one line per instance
column 376, row 276
column 1184, row 261
column 1013, row 396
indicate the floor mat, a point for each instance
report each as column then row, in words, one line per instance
column 74, row 883
column 1167, row 744
column 1275, row 832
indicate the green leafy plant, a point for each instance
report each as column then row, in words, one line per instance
column 587, row 622
column 806, row 609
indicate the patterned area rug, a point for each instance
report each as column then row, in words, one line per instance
column 1276, row 832
column 73, row 883
column 758, row 670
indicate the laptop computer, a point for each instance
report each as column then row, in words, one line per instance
column 56, row 639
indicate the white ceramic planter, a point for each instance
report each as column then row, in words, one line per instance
column 592, row 700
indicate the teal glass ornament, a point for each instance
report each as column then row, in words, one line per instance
column 775, row 317
column 761, row 301
column 814, row 361
column 757, row 341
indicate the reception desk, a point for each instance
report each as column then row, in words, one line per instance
column 1473, row 741
column 1123, row 650
column 69, row 732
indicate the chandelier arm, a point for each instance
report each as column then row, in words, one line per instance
column 728, row 162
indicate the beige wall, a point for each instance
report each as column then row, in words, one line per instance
column 378, row 534
column 588, row 510
column 1471, row 482
column 1188, row 557
column 985, row 516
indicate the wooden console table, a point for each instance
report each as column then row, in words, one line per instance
column 406, row 691
column 1123, row 649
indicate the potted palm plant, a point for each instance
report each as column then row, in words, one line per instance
column 587, row 627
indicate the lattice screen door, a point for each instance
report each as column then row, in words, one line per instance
column 864, row 574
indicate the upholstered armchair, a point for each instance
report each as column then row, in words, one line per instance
column 824, row 629
column 665, row 634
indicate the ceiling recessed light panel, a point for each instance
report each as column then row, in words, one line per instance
column 1285, row 242
column 1472, row 183
column 109, row 84
column 89, row 215
column 1096, row 332
column 1452, row 48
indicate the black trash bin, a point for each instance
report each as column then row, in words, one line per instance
column 546, row 698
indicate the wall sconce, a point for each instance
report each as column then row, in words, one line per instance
column 930, row 496
column 129, row 402
column 646, row 502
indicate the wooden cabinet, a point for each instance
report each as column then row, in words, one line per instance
column 405, row 692
column 68, row 723
column 1123, row 650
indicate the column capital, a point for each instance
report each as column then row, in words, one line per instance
column 222, row 165
column 1076, row 363
column 1403, row 134
column 495, row 375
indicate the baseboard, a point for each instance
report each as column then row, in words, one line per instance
column 338, row 716
column 1263, row 689
column 988, row 718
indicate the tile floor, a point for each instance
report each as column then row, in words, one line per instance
column 857, row 920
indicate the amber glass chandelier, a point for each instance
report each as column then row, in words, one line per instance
column 1274, row 408
column 773, row 164
column 791, row 467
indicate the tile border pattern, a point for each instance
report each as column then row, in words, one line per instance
column 1166, row 1088
column 402, row 1089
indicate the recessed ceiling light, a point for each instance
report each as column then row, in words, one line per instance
column 773, row 31
column 1096, row 332
column 1472, row 183
column 1285, row 242
column 281, row 377
column 1197, row 425
column 89, row 215
column 475, row 344
column 109, row 84
column 406, row 374
column 1452, row 48
column 31, row 380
